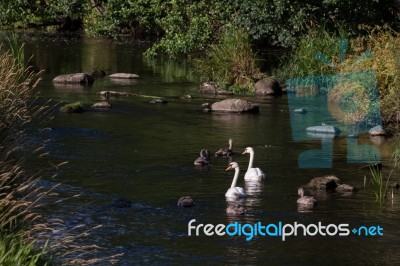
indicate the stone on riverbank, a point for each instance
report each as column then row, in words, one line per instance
column 211, row 88
column 267, row 86
column 377, row 131
column 76, row 78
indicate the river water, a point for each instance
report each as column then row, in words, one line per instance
column 145, row 153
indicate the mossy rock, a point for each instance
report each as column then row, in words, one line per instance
column 75, row 107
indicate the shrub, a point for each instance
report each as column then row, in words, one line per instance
column 231, row 62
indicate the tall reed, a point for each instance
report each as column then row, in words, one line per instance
column 379, row 186
column 22, row 227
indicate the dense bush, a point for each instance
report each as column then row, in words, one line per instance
column 186, row 27
column 378, row 51
column 230, row 63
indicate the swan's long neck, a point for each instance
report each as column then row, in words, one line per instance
column 235, row 178
column 230, row 144
column 251, row 160
column 300, row 191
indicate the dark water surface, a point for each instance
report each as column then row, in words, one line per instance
column 145, row 153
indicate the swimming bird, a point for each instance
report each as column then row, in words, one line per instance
column 305, row 200
column 253, row 174
column 203, row 159
column 225, row 152
column 234, row 192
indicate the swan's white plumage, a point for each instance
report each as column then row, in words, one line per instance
column 234, row 192
column 253, row 173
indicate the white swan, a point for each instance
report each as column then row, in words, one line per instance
column 234, row 192
column 252, row 174
column 305, row 200
column 225, row 152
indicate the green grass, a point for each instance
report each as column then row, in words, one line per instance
column 15, row 251
column 379, row 186
column 230, row 63
column 75, row 107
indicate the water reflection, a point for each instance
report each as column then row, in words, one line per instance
column 146, row 153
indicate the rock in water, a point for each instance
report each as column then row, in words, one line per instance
column 123, row 76
column 186, row 201
column 108, row 94
column 329, row 182
column 234, row 106
column 101, row 105
column 158, row 100
column 325, row 129
column 77, row 78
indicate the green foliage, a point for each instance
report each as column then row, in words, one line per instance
column 122, row 16
column 303, row 61
column 22, row 12
column 378, row 185
column 187, row 29
column 75, row 107
column 230, row 62
column 14, row 251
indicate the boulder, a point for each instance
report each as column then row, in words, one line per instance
column 377, row 131
column 75, row 107
column 300, row 111
column 267, row 86
column 186, row 201
column 345, row 188
column 329, row 182
column 98, row 73
column 108, row 94
column 234, row 106
column 77, row 78
column 121, row 203
column 186, row 97
column 101, row 105
column 211, row 88
column 324, row 129
column 158, row 100
column 123, row 76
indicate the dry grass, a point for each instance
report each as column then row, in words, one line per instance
column 20, row 194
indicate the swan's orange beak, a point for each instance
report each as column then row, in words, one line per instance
column 229, row 168
column 244, row 152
